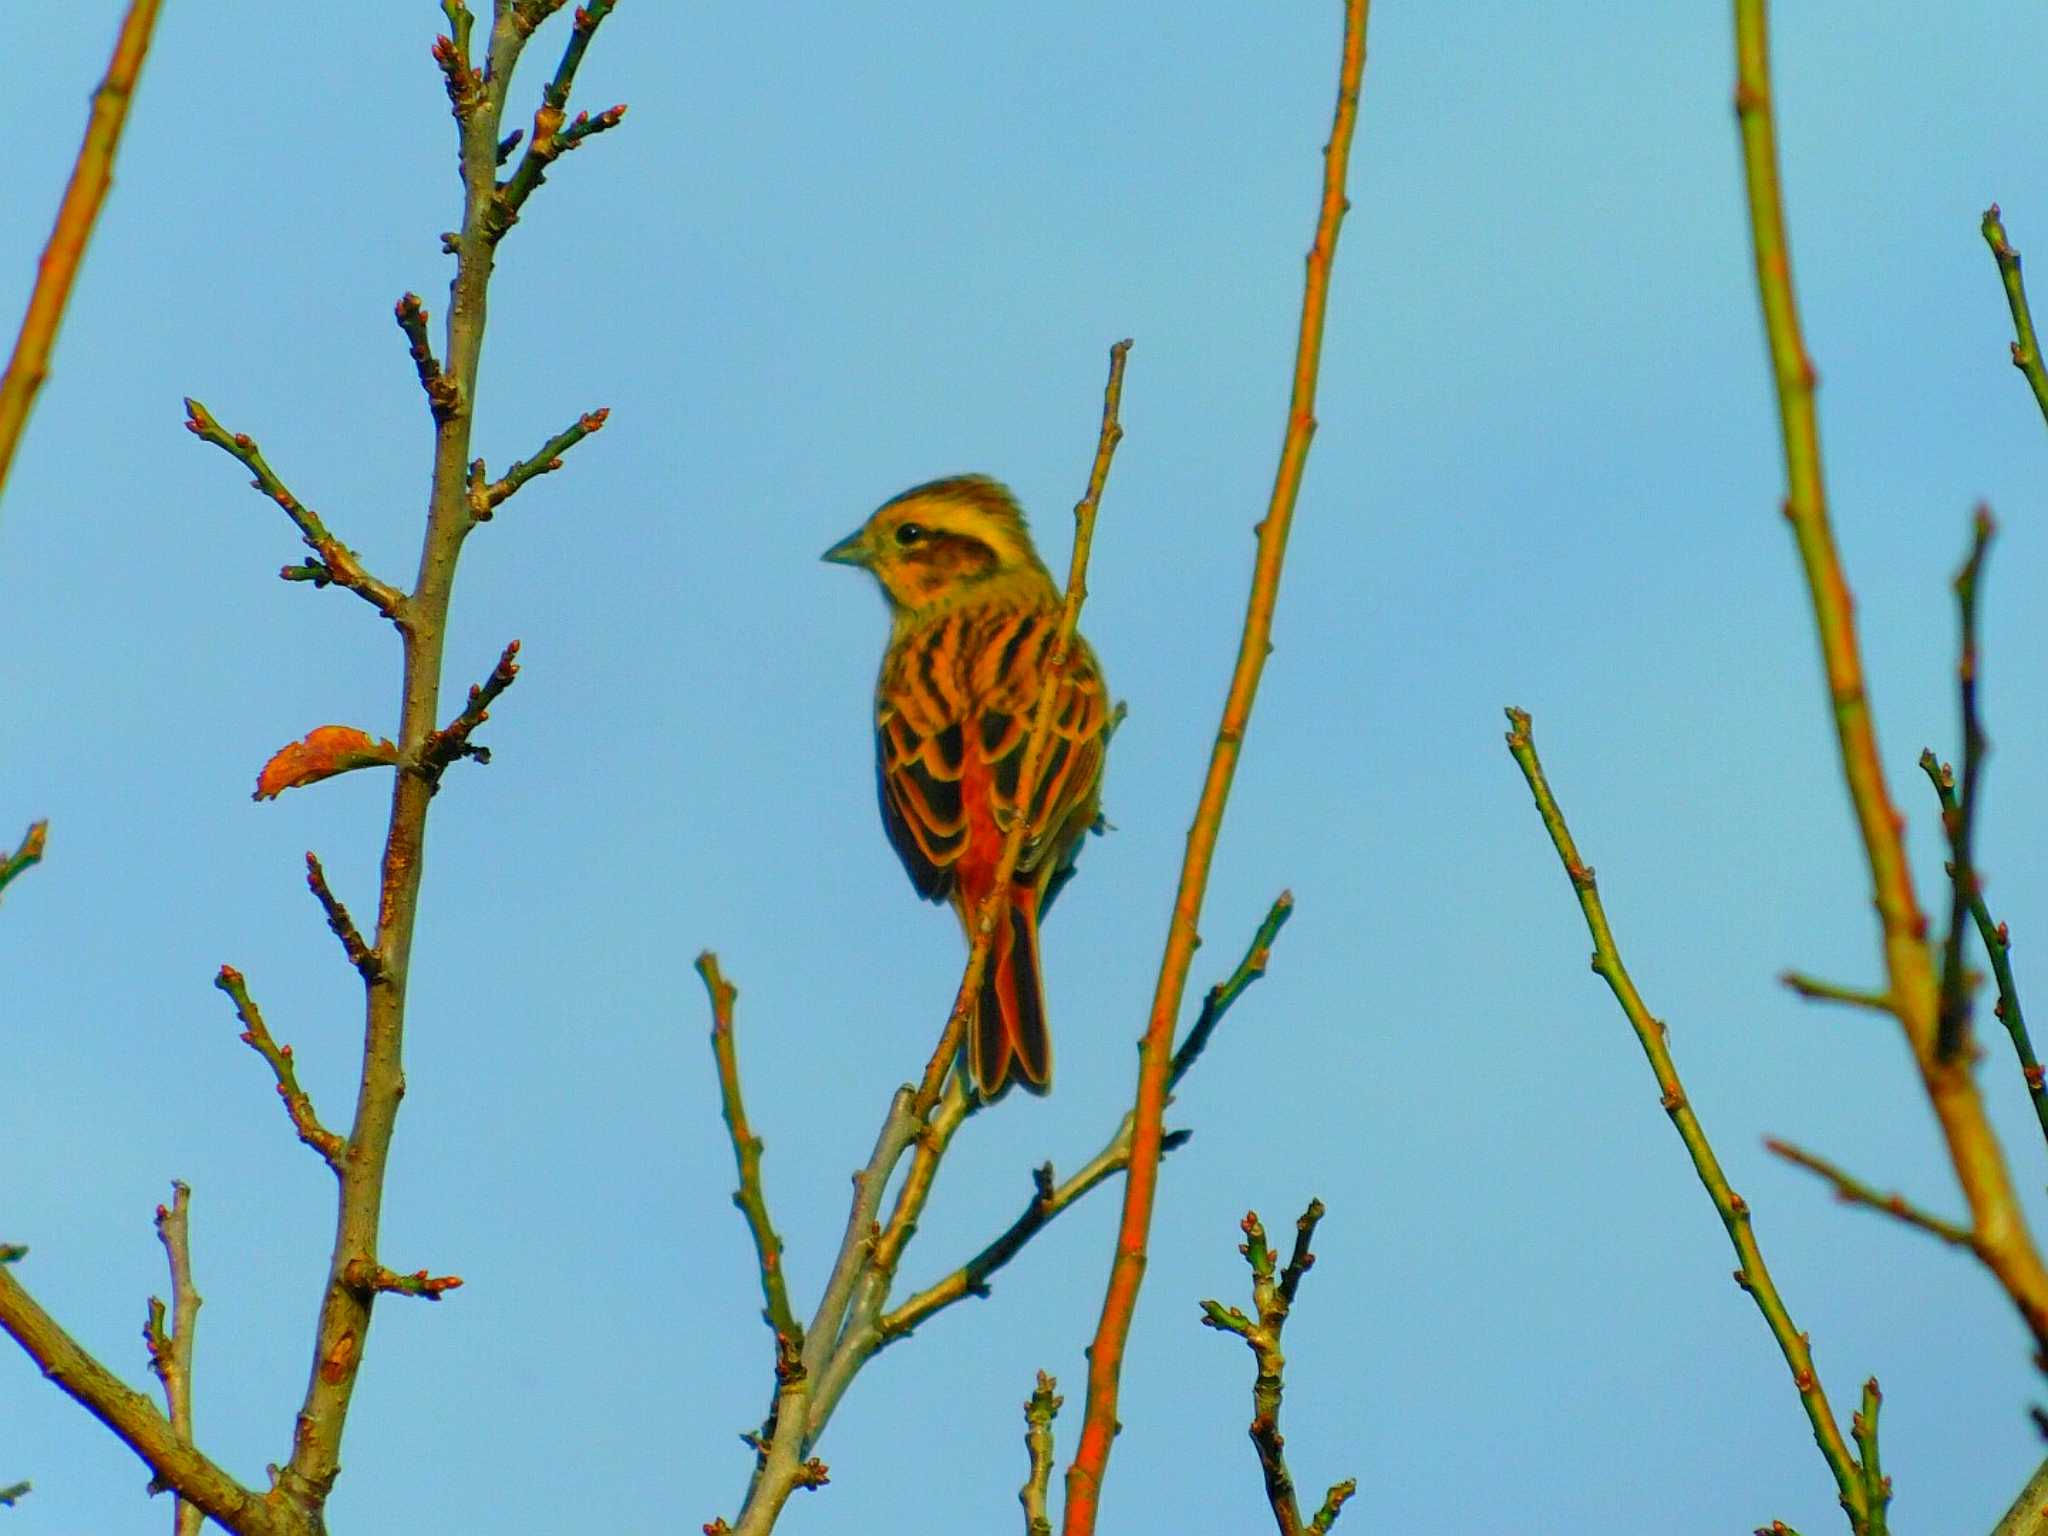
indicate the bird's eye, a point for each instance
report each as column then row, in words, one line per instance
column 909, row 533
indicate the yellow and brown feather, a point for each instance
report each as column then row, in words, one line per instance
column 974, row 618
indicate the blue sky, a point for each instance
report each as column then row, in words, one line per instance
column 834, row 251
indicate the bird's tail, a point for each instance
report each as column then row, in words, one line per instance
column 1008, row 1039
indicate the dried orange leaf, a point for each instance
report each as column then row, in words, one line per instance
column 329, row 750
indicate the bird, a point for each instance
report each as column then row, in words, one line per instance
column 973, row 623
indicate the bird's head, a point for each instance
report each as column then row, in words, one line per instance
column 943, row 543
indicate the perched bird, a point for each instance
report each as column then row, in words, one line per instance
column 973, row 615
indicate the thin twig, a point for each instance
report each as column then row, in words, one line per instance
column 1863, row 1424
column 452, row 743
column 135, row 1420
column 1039, row 1413
column 1227, row 991
column 551, row 138
column 1952, row 1028
column 1814, row 990
column 746, row 1151
column 1998, row 946
column 334, row 563
column 170, row 1354
column 1049, row 1198
column 27, row 854
column 376, row 1279
column 1127, row 1268
column 1754, row 1276
column 442, row 395
column 360, row 955
column 2003, row 1242
column 91, row 175
column 279, row 1057
column 2026, row 351
column 1851, row 1190
column 1272, row 1301
column 485, row 499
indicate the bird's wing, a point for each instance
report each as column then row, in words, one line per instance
column 918, row 776
column 1064, row 799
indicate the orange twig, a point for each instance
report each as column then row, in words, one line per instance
column 90, row 177
column 1105, row 1358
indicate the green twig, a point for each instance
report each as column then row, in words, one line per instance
column 1959, row 808
column 1049, row 1197
column 27, row 855
column 442, row 395
column 1039, row 1413
column 1272, row 1300
column 746, row 1151
column 279, row 1057
column 1851, row 1190
column 484, row 499
column 1754, row 1276
column 334, row 562
column 1863, row 1424
column 170, row 1353
column 552, row 135
column 1998, row 946
column 367, row 962
column 1814, row 990
column 2026, row 351
column 451, row 743
column 1217, row 1003
column 371, row 1278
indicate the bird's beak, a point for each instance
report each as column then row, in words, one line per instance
column 851, row 550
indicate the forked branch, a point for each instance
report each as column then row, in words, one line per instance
column 2002, row 1239
column 1272, row 1301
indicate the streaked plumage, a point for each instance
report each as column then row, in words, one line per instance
column 973, row 614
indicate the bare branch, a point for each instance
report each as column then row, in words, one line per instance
column 375, row 1278
column 279, row 1057
column 360, row 955
column 485, row 499
column 1851, row 1190
column 334, row 562
column 1039, row 1413
column 1952, row 1030
column 2003, row 1244
column 1049, row 1199
column 552, row 136
column 91, row 175
column 1231, row 988
column 452, row 743
column 1127, row 1267
column 1814, row 990
column 26, row 855
column 1272, row 1302
column 135, row 1420
column 442, row 395
column 1754, row 1276
column 2026, row 351
column 746, row 1151
column 170, row 1354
